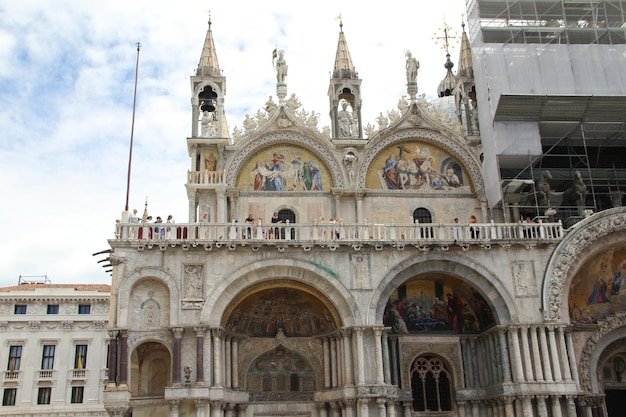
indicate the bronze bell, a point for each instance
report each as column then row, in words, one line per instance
column 208, row 105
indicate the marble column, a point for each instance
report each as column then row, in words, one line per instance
column 509, row 411
column 174, row 408
column 349, row 407
column 113, row 359
column 200, row 408
column 571, row 355
column 526, row 354
column 229, row 410
column 386, row 363
column 359, row 208
column 326, row 349
column 333, row 361
column 560, row 335
column 347, row 357
column 542, row 409
column 460, row 406
column 364, row 404
column 391, row 408
column 527, row 405
column 227, row 363
column 241, row 410
column 554, row 354
column 123, row 360
column 408, row 407
column 360, row 362
column 335, row 409
column 323, row 412
column 393, row 347
column 217, row 409
column 235, row 362
column 217, row 360
column 536, row 354
column 555, row 401
column 176, row 374
column 475, row 408
column 518, row 372
column 382, row 407
column 571, row 405
column 200, row 331
column 545, row 356
column 378, row 352
column 506, row 364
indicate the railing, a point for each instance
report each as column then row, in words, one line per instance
column 419, row 234
column 77, row 374
column 205, row 177
column 45, row 374
column 11, row 376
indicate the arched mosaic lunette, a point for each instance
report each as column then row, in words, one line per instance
column 246, row 152
column 569, row 250
column 433, row 138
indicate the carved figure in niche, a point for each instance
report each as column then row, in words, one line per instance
column 344, row 117
column 349, row 160
column 193, row 281
column 412, row 65
column 210, row 162
column 206, row 123
column 281, row 67
column 576, row 194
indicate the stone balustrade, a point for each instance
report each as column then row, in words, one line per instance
column 337, row 234
column 205, row 177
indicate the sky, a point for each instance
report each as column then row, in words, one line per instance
column 67, row 80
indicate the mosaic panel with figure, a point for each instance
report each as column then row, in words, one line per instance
column 599, row 287
column 415, row 165
column 296, row 313
column 437, row 303
column 284, row 168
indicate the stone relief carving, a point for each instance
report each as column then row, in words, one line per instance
column 192, row 279
column 360, row 271
column 524, row 279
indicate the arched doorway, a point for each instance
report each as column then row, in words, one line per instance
column 285, row 216
column 614, row 377
column 150, row 370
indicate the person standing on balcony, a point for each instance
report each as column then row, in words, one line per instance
column 457, row 231
column 249, row 221
column 474, row 232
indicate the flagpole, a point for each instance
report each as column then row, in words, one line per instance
column 132, row 129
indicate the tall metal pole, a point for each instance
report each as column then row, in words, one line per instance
column 132, row 129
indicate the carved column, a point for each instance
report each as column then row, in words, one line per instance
column 526, row 353
column 217, row 409
column 347, row 357
column 554, row 353
column 235, row 367
column 229, row 410
column 542, row 409
column 176, row 376
column 391, row 407
column 340, row 365
column 326, row 349
column 382, row 407
column 385, row 342
column 536, row 354
column 227, row 362
column 408, row 409
column 460, row 406
column 359, row 195
column 333, row 361
column 174, row 408
column 508, row 407
column 572, row 357
column 337, row 198
column 545, row 357
column 360, row 363
column 200, row 407
column 217, row 359
column 323, row 412
column 335, row 409
column 518, row 372
column 220, row 192
column 200, row 331
column 113, row 360
column 567, row 372
column 506, row 364
column 364, row 404
column 527, row 406
column 556, row 406
column 242, row 410
column 378, row 351
column 123, row 360
column 393, row 348
column 349, row 407
column 233, row 198
column 475, row 408
column 571, row 406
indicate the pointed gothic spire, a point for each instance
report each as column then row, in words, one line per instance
column 343, row 62
column 466, row 66
column 208, row 64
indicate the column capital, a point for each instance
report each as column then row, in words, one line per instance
column 178, row 332
column 200, row 331
column 345, row 332
column 364, row 401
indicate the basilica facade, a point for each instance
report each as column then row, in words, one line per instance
column 361, row 270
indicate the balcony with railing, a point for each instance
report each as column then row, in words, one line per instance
column 77, row 374
column 334, row 235
column 11, row 376
column 205, row 178
column 45, row 374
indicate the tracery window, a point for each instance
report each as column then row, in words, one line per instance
column 431, row 385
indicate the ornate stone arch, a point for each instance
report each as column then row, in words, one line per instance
column 608, row 331
column 199, row 86
column 567, row 258
column 220, row 298
column 484, row 280
column 280, row 138
column 432, row 137
column 125, row 290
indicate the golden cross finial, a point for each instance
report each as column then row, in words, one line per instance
column 446, row 37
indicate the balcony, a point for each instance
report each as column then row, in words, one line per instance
column 11, row 376
column 45, row 374
column 423, row 236
column 77, row 374
column 205, row 178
